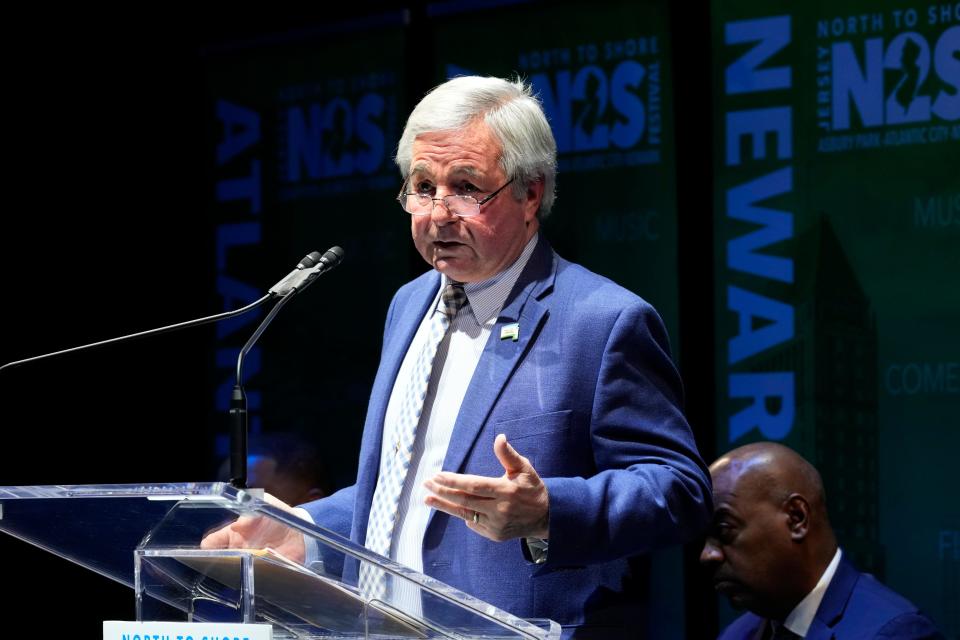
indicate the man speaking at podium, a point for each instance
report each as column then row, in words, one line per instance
column 524, row 438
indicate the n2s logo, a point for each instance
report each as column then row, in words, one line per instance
column 895, row 85
column 335, row 139
column 595, row 109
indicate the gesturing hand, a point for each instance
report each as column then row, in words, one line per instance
column 515, row 505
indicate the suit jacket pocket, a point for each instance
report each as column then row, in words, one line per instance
column 542, row 438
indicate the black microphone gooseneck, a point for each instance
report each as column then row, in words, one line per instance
column 296, row 281
column 296, row 276
column 151, row 332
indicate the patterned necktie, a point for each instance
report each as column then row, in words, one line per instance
column 386, row 497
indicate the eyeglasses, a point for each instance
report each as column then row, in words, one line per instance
column 421, row 204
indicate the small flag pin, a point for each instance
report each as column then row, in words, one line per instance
column 511, row 331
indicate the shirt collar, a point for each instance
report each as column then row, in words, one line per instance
column 486, row 298
column 802, row 615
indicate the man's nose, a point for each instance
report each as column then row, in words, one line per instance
column 711, row 553
column 440, row 214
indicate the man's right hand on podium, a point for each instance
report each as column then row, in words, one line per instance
column 259, row 532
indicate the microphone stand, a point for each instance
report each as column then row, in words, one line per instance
column 290, row 286
column 238, row 406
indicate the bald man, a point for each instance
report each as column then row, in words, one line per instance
column 773, row 553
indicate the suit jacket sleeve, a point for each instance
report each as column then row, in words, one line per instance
column 334, row 513
column 913, row 625
column 650, row 489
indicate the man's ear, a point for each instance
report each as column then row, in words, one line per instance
column 797, row 510
column 532, row 200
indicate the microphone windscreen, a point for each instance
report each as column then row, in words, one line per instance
column 310, row 260
column 332, row 257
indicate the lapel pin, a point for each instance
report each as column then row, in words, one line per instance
column 510, row 331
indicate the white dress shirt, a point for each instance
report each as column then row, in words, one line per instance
column 801, row 617
column 462, row 348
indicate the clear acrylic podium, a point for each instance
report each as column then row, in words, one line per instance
column 148, row 538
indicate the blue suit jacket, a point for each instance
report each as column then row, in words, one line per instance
column 589, row 394
column 854, row 606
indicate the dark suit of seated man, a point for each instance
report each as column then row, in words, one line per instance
column 774, row 553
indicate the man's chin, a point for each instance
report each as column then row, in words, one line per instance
column 454, row 268
column 738, row 597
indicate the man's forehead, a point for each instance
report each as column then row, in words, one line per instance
column 725, row 470
column 738, row 479
column 425, row 169
column 725, row 496
column 732, row 503
column 473, row 145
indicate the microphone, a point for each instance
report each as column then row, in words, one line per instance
column 312, row 265
column 309, row 260
column 283, row 287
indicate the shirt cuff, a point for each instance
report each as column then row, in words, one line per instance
column 536, row 549
column 311, row 550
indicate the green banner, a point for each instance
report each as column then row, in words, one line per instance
column 837, row 224
column 606, row 89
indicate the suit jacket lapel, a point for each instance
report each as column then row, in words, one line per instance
column 501, row 357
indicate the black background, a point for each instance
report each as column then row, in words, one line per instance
column 105, row 232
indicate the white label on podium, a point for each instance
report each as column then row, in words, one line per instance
column 119, row 630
